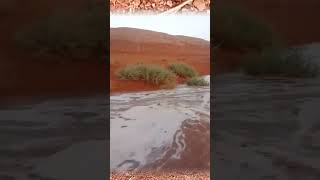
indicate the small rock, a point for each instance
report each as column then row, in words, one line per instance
column 161, row 8
column 153, row 5
column 136, row 3
column 169, row 3
column 199, row 4
column 184, row 10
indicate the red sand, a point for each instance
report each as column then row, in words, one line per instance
column 153, row 48
column 116, row 85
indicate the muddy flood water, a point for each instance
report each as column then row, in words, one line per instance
column 159, row 130
column 54, row 138
column 267, row 128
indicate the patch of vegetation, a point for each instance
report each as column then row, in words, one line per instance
column 154, row 74
column 273, row 62
column 75, row 34
column 197, row 81
column 237, row 29
column 183, row 70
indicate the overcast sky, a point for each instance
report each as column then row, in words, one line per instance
column 188, row 25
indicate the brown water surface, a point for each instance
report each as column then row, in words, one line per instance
column 158, row 130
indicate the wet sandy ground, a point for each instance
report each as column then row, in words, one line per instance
column 160, row 130
column 54, row 139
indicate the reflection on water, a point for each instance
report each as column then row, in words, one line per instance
column 160, row 129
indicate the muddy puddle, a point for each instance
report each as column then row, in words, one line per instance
column 158, row 130
column 267, row 128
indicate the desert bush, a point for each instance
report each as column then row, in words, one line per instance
column 274, row 62
column 154, row 74
column 78, row 34
column 197, row 81
column 238, row 29
column 183, row 70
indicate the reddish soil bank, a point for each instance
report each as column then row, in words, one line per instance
column 129, row 46
column 22, row 75
column 294, row 21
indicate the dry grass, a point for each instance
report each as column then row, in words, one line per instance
column 197, row 81
column 151, row 73
column 183, row 70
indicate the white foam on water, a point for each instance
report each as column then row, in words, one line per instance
column 149, row 127
column 207, row 78
column 144, row 125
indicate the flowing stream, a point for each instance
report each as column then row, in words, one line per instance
column 161, row 129
column 267, row 128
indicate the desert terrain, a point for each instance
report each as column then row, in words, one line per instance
column 42, row 99
column 130, row 46
column 161, row 131
column 175, row 122
column 266, row 128
column 25, row 75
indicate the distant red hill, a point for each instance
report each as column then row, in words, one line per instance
column 144, row 41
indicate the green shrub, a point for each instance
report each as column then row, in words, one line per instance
column 183, row 70
column 197, row 81
column 153, row 74
column 273, row 62
column 79, row 34
column 238, row 29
